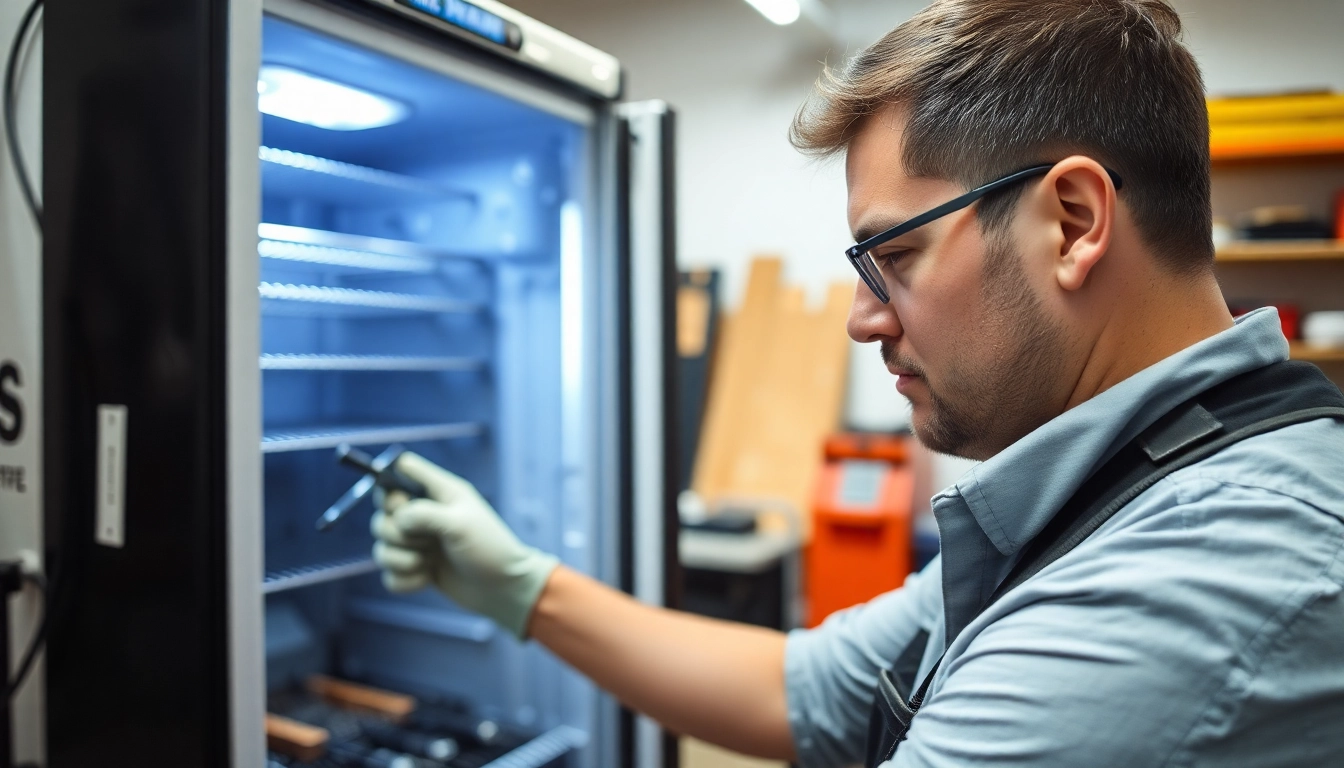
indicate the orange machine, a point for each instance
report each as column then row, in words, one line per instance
column 862, row 528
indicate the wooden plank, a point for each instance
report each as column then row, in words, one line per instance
column 692, row 321
column 1301, row 350
column 363, row 698
column 736, row 367
column 292, row 738
column 774, row 420
column 1295, row 152
column 1281, row 250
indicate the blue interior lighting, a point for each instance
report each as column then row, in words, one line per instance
column 304, row 98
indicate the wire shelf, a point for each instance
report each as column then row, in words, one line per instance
column 294, row 174
column 288, row 440
column 341, row 257
column 291, row 362
column 399, row 614
column 553, row 744
column 363, row 300
column 363, row 243
column 308, row 575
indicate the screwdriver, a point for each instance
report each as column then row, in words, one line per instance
column 378, row 472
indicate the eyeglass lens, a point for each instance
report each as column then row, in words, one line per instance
column 863, row 264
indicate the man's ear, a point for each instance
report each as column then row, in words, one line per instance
column 1080, row 200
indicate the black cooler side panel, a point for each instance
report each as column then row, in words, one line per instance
column 672, row 577
column 133, row 152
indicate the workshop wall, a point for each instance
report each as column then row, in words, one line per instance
column 736, row 81
column 20, row 357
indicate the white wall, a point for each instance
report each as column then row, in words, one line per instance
column 20, row 335
column 736, row 81
column 1254, row 46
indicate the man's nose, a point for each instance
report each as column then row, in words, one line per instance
column 870, row 319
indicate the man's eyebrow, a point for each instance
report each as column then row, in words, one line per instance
column 876, row 225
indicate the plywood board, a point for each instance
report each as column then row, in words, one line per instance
column 777, row 393
column 737, row 365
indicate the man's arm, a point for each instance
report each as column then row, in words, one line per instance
column 711, row 679
column 714, row 680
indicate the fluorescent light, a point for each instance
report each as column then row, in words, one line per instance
column 779, row 11
column 305, row 98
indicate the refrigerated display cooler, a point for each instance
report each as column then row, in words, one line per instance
column 276, row 229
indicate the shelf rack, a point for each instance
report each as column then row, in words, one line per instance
column 423, row 619
column 340, row 257
column 540, row 751
column 294, row 174
column 308, row 575
column 294, row 362
column 1281, row 250
column 362, row 301
column 1229, row 155
column 289, row 440
column 284, row 233
column 1301, row 350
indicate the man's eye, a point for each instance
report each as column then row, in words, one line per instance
column 888, row 258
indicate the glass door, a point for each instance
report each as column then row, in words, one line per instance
column 428, row 253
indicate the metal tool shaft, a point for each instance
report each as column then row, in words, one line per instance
column 379, row 472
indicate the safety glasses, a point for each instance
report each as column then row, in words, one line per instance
column 861, row 256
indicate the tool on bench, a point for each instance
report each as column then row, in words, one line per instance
column 379, row 472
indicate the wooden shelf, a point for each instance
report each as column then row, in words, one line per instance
column 1222, row 155
column 1282, row 250
column 1300, row 350
column 1285, row 159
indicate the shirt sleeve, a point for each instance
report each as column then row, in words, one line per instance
column 831, row 671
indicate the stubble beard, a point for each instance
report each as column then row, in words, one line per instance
column 981, row 406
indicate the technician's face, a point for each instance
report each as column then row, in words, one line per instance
column 964, row 331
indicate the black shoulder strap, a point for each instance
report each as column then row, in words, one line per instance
column 1260, row 401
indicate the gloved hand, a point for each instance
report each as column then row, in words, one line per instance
column 455, row 541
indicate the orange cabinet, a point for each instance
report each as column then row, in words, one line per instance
column 862, row 529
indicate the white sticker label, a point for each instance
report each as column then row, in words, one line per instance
column 111, row 475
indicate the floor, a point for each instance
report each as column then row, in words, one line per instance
column 698, row 754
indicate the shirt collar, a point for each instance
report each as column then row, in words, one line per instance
column 1015, row 493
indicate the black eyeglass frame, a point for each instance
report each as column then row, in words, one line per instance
column 859, row 254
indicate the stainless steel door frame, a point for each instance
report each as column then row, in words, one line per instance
column 592, row 422
column 247, row 653
column 480, row 70
column 652, row 280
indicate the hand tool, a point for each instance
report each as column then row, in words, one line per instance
column 379, row 472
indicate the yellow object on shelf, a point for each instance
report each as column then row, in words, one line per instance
column 1276, row 109
column 1264, row 127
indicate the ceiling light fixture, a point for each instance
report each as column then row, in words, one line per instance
column 781, row 12
column 305, row 98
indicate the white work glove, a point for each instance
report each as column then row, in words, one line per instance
column 455, row 541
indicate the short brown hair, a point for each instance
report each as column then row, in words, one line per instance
column 993, row 86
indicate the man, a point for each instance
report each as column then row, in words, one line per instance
column 1039, row 326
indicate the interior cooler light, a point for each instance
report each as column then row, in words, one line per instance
column 305, row 98
column 779, row 11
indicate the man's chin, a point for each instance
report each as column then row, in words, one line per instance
column 935, row 435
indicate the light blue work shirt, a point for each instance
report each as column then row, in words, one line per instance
column 1202, row 625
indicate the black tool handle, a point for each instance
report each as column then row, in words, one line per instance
column 388, row 478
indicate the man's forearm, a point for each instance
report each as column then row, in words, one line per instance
column 714, row 680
